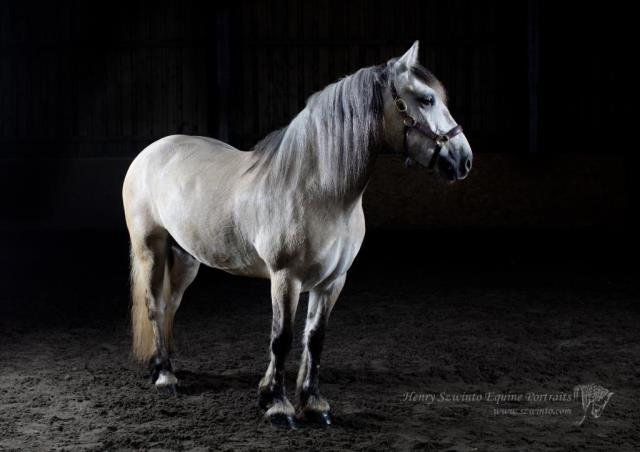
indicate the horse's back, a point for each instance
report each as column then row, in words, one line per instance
column 184, row 150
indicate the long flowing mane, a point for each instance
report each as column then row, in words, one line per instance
column 329, row 143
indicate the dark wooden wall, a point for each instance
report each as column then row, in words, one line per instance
column 476, row 48
column 102, row 79
column 84, row 86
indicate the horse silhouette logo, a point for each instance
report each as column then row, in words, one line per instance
column 594, row 398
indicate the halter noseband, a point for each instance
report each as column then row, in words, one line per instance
column 412, row 123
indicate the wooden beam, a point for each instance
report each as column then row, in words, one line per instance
column 223, row 70
column 533, row 63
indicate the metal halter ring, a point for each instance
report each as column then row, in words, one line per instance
column 401, row 105
column 409, row 121
column 442, row 139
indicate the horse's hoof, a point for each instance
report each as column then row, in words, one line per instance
column 281, row 420
column 166, row 391
column 326, row 418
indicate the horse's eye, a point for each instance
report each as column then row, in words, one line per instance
column 428, row 100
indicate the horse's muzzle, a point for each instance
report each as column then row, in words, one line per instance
column 453, row 169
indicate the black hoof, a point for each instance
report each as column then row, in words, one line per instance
column 286, row 421
column 318, row 417
column 166, row 391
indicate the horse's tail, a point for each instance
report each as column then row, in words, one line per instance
column 143, row 346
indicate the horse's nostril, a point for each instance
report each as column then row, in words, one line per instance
column 467, row 164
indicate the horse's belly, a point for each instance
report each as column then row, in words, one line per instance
column 224, row 249
column 231, row 253
column 242, row 263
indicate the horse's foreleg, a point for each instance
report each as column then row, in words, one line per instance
column 285, row 292
column 312, row 406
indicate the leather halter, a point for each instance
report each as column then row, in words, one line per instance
column 412, row 123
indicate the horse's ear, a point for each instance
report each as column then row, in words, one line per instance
column 410, row 58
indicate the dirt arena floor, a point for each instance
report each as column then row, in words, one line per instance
column 401, row 347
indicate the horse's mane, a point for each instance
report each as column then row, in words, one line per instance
column 329, row 142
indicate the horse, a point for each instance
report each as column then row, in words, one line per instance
column 289, row 210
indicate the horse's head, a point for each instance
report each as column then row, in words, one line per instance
column 418, row 122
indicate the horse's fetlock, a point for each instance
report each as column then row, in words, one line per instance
column 280, row 406
column 158, row 367
column 166, row 378
column 316, row 403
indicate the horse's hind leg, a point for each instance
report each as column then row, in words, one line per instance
column 183, row 269
column 285, row 292
column 312, row 406
column 150, row 295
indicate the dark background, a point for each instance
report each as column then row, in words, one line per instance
column 84, row 86
column 523, row 277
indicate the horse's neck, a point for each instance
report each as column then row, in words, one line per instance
column 309, row 181
column 358, row 183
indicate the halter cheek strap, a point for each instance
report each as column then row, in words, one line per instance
column 411, row 123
